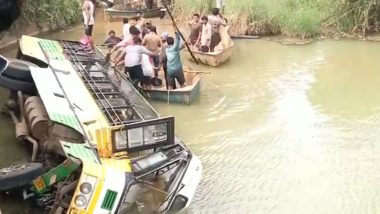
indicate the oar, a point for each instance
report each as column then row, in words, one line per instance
column 183, row 38
column 105, row 44
column 198, row 72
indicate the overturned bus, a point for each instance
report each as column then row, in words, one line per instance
column 98, row 145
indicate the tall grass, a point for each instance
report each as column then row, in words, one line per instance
column 299, row 18
column 52, row 13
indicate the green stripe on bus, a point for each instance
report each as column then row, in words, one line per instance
column 80, row 151
column 68, row 120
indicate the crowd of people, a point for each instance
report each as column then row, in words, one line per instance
column 143, row 53
column 205, row 32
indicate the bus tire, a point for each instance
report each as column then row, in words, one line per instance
column 20, row 175
column 19, row 70
column 17, row 85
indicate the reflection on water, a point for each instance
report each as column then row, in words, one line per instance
column 288, row 129
column 279, row 129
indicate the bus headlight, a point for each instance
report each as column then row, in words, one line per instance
column 80, row 200
column 85, row 188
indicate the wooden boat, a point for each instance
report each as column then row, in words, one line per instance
column 212, row 58
column 112, row 14
column 223, row 51
column 185, row 95
column 244, row 37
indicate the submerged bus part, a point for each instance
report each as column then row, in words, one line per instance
column 119, row 123
column 42, row 184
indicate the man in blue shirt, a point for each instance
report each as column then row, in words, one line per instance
column 174, row 64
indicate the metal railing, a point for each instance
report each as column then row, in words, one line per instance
column 107, row 96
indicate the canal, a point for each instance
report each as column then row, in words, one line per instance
column 279, row 129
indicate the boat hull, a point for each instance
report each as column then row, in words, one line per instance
column 212, row 59
column 117, row 15
column 175, row 96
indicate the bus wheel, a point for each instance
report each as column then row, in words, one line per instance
column 20, row 175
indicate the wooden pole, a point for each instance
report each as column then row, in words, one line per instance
column 183, row 38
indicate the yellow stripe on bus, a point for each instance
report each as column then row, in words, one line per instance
column 99, row 187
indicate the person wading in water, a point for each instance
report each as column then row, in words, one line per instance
column 112, row 38
column 88, row 10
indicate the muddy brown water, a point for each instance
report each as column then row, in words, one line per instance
column 279, row 129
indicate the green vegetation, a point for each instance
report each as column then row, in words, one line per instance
column 52, row 13
column 296, row 18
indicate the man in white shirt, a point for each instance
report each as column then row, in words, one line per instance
column 205, row 36
column 133, row 61
column 88, row 10
column 140, row 20
column 126, row 27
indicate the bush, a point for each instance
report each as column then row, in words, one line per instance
column 301, row 18
column 53, row 13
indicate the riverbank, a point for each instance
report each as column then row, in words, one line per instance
column 13, row 38
column 40, row 16
column 304, row 41
column 300, row 19
column 288, row 115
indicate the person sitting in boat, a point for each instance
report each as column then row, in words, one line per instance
column 205, row 37
column 195, row 30
column 226, row 40
column 112, row 39
column 216, row 20
column 174, row 64
column 133, row 61
column 87, row 42
column 153, row 43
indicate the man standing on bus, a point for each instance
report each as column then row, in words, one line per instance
column 88, row 10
